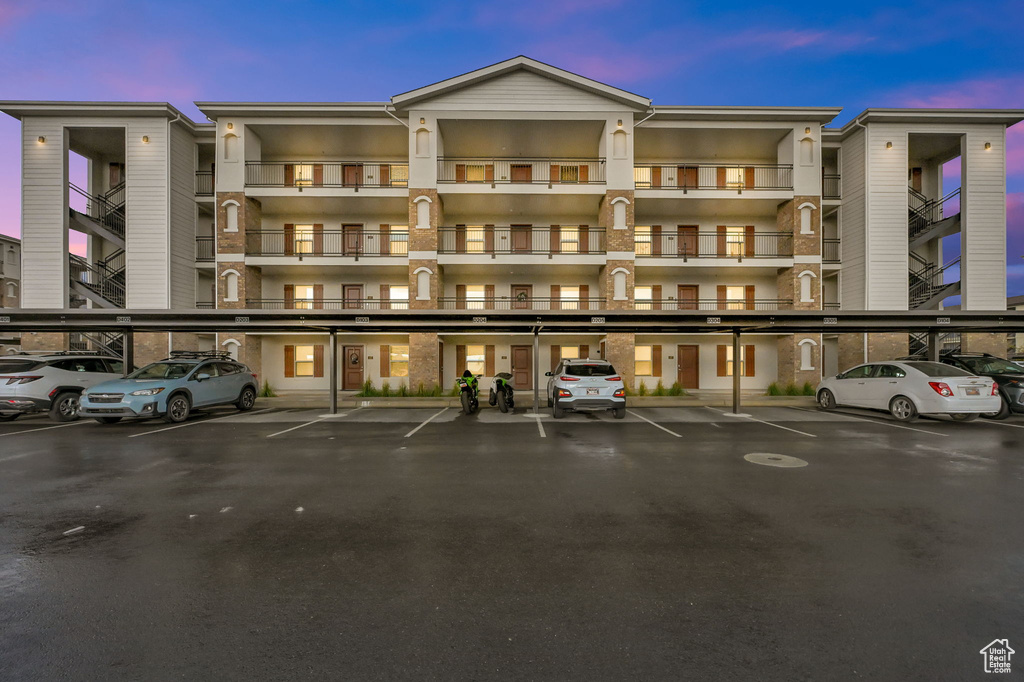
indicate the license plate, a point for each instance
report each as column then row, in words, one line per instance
column 973, row 391
column 592, row 391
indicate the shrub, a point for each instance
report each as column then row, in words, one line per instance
column 773, row 389
column 642, row 390
column 454, row 393
column 267, row 391
column 791, row 389
column 403, row 391
column 660, row 389
column 677, row 389
column 808, row 388
column 368, row 391
column 385, row 390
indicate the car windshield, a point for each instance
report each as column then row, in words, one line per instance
column 595, row 370
column 18, row 365
column 163, row 370
column 937, row 369
column 991, row 366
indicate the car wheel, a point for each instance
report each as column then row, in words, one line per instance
column 65, row 407
column 502, row 402
column 826, row 400
column 1003, row 413
column 492, row 398
column 108, row 420
column 963, row 417
column 556, row 411
column 246, row 400
column 903, row 409
column 178, row 409
column 619, row 412
column 9, row 417
column 551, row 403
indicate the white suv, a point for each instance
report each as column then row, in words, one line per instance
column 585, row 385
column 53, row 382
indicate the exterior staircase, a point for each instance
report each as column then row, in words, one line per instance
column 97, row 283
column 110, row 343
column 928, row 220
column 104, row 216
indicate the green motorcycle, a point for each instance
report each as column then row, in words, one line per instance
column 468, row 391
column 501, row 393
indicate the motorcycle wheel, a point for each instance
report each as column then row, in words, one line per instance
column 502, row 402
column 467, row 403
column 492, row 397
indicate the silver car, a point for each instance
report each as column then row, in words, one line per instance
column 585, row 386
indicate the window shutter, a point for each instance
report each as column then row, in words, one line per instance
column 318, row 360
column 748, row 177
column 584, row 297
column 556, row 297
column 555, row 173
column 385, row 361
column 489, row 361
column 584, row 351
column 489, row 297
column 748, row 242
column 721, row 176
column 460, row 360
column 318, row 239
column 655, row 240
column 318, row 174
column 460, row 296
column 556, row 355
column 656, row 177
column 749, row 295
column 656, row 295
column 556, row 239
column 289, row 239
column 584, row 239
column 385, row 238
column 601, row 351
column 584, row 173
column 656, row 360
column 722, row 248
column 723, row 361
column 722, row 297
column 318, row 296
column 748, row 361
column 460, row 172
column 385, row 296
column 489, row 238
column 289, row 362
column 289, row 296
column 289, row 175
column 489, row 173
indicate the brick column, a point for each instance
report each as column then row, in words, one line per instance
column 996, row 344
column 806, row 258
column 620, row 247
column 424, row 360
column 423, row 243
column 620, row 350
column 36, row 341
column 880, row 346
column 231, row 247
column 150, row 347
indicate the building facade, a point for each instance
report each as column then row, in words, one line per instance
column 10, row 288
column 516, row 186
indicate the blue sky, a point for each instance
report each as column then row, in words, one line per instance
column 853, row 55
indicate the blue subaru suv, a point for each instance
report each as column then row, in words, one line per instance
column 171, row 388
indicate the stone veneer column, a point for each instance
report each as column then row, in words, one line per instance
column 36, row 341
column 231, row 247
column 620, row 350
column 423, row 243
column 880, row 346
column 424, row 360
column 620, row 248
column 996, row 344
column 806, row 258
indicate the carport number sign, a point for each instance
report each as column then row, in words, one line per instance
column 714, row 320
column 362, row 320
column 126, row 319
column 596, row 320
column 830, row 320
column 479, row 320
column 941, row 320
column 241, row 320
column 5, row 319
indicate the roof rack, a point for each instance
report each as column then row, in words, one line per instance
column 39, row 353
column 200, row 354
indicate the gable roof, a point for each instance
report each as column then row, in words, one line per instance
column 520, row 63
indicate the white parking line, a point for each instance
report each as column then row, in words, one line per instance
column 654, row 424
column 744, row 415
column 194, row 423
column 426, row 421
column 877, row 421
column 45, row 428
column 318, row 420
column 995, row 423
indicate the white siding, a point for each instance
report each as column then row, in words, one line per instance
column 983, row 210
column 886, row 212
column 521, row 91
column 44, row 215
column 183, row 218
column 148, row 229
column 851, row 227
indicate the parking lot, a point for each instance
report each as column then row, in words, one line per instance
column 425, row 544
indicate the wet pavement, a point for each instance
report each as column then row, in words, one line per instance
column 423, row 544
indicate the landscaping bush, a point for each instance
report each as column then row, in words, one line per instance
column 368, row 391
column 642, row 390
column 773, row 389
column 808, row 388
column 267, row 391
column 403, row 391
column 385, row 390
column 659, row 390
column 677, row 389
column 792, row 389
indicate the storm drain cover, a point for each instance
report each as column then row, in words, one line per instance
column 772, row 460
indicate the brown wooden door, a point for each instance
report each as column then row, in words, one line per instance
column 686, row 295
column 522, row 367
column 352, row 373
column 686, row 240
column 353, row 295
column 352, row 175
column 522, row 172
column 521, row 239
column 689, row 365
column 915, row 179
column 521, row 295
column 352, row 239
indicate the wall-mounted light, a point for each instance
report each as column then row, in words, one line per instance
column 422, row 120
column 888, row 145
column 145, row 139
column 988, row 146
column 42, row 139
column 620, row 123
column 807, row 131
column 231, row 126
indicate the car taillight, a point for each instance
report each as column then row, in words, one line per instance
column 562, row 393
column 569, row 378
column 620, row 393
column 22, row 380
column 995, row 388
column 613, row 379
column 942, row 388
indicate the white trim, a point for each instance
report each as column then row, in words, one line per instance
column 620, row 269
column 423, row 268
column 231, row 201
column 231, row 271
column 807, row 272
column 620, row 255
column 618, row 200
column 806, row 341
column 422, row 197
column 807, row 204
column 231, row 340
column 230, row 257
column 807, row 260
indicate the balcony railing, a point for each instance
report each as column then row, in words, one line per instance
column 520, row 303
column 204, row 183
column 303, row 174
column 713, row 304
column 568, row 240
column 830, row 251
column 543, row 171
column 831, row 187
column 205, row 249
column 692, row 244
column 326, row 304
column 205, row 305
column 830, row 306
column 355, row 242
column 687, row 176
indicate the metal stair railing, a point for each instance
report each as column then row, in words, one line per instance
column 922, row 212
column 108, row 214
column 928, row 282
column 98, row 280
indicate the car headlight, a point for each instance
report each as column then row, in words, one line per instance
column 147, row 391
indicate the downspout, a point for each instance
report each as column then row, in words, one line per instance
column 653, row 112
column 867, row 261
column 386, row 111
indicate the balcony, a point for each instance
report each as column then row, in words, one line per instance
column 325, row 304
column 831, row 187
column 520, row 303
column 686, row 176
column 525, row 171
column 830, row 251
column 204, row 183
column 686, row 243
column 713, row 304
column 205, row 305
column 830, row 306
column 353, row 242
column 205, row 250
column 522, row 239
column 306, row 174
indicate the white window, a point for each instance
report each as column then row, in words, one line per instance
column 619, row 215
column 422, row 142
column 303, row 361
column 569, row 239
column 642, row 240
column 12, row 257
column 807, row 354
column 475, row 239
column 399, row 297
column 423, row 284
column 231, row 286
column 476, row 358
column 644, row 297
column 303, row 175
column 619, row 284
column 399, row 236
column 735, row 241
column 569, row 352
column 735, row 298
column 570, row 297
column 729, row 360
column 303, row 238
column 422, row 212
column 231, row 213
column 475, row 297
column 734, row 177
column 399, row 361
column 476, row 173
column 12, row 290
column 303, row 297
column 806, row 291
column 643, row 365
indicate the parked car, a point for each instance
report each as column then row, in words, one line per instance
column 172, row 388
column 1009, row 376
column 52, row 382
column 585, row 385
column 908, row 388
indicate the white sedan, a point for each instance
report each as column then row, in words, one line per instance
column 911, row 388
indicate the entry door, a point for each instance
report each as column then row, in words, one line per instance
column 689, row 365
column 352, row 374
column 353, row 295
column 522, row 367
column 686, row 295
column 686, row 240
column 521, row 238
column 353, row 239
column 521, row 295
column 352, row 175
column 522, row 172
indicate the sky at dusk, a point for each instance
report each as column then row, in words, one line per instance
column 855, row 55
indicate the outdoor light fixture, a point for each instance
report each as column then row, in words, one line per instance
column 620, row 122
column 422, row 120
column 988, row 146
column 42, row 139
column 145, row 139
column 888, row 145
column 231, row 126
column 807, row 131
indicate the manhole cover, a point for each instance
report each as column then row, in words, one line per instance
column 772, row 460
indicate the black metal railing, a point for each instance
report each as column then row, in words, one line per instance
column 326, row 304
column 205, row 305
column 686, row 176
column 520, row 303
column 320, row 174
column 830, row 306
column 690, row 244
column 544, row 171
column 204, row 183
column 924, row 212
column 205, row 249
column 355, row 242
column 831, row 186
column 104, row 211
column 928, row 281
column 98, row 280
column 567, row 240
column 830, row 251
column 712, row 304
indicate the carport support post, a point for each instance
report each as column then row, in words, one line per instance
column 736, row 371
column 933, row 346
column 334, row 371
column 536, row 371
column 128, row 352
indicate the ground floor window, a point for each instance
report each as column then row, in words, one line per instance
column 304, row 361
column 476, row 358
column 399, row 361
column 727, row 363
column 643, row 361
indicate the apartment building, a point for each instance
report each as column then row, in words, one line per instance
column 516, row 186
column 10, row 287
